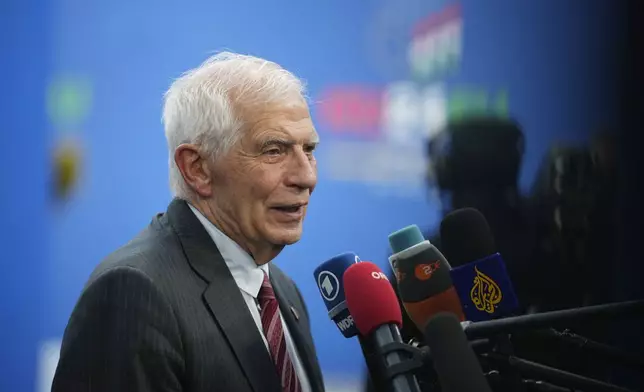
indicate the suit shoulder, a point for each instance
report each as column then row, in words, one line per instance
column 150, row 252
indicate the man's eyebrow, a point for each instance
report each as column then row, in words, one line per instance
column 286, row 142
column 271, row 141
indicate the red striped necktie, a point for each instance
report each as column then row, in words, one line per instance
column 272, row 325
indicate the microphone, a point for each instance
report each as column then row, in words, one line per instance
column 479, row 274
column 374, row 306
column 455, row 363
column 328, row 276
column 423, row 274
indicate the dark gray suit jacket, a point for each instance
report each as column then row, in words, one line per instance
column 163, row 313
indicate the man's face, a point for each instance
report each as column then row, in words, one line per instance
column 261, row 188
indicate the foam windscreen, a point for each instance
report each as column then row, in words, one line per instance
column 466, row 236
column 455, row 363
column 370, row 297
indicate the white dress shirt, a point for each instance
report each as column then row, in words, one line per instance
column 249, row 277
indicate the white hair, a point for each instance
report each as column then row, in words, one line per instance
column 204, row 105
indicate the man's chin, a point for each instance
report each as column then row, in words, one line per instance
column 286, row 237
column 290, row 241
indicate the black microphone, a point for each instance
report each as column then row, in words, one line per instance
column 455, row 363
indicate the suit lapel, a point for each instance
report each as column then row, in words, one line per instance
column 225, row 301
column 289, row 313
column 235, row 321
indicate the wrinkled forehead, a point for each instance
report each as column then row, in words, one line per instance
column 286, row 121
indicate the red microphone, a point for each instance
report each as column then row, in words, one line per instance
column 373, row 304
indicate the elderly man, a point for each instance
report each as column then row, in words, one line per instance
column 193, row 303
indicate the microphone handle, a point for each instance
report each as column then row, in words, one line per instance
column 483, row 329
column 602, row 351
column 374, row 368
column 384, row 335
column 553, row 375
column 541, row 386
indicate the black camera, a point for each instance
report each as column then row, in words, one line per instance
column 476, row 151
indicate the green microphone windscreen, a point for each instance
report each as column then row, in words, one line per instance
column 405, row 238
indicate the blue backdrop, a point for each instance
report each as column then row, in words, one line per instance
column 91, row 74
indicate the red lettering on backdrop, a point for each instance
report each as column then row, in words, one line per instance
column 436, row 20
column 351, row 109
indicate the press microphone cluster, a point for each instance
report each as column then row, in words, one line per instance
column 490, row 306
column 361, row 301
column 373, row 309
column 464, row 302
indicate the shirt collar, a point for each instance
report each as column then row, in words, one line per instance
column 248, row 275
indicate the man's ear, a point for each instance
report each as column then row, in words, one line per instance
column 194, row 169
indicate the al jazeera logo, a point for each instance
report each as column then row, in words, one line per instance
column 485, row 293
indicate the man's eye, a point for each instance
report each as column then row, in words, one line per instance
column 309, row 149
column 273, row 151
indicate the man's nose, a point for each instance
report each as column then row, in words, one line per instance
column 302, row 171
